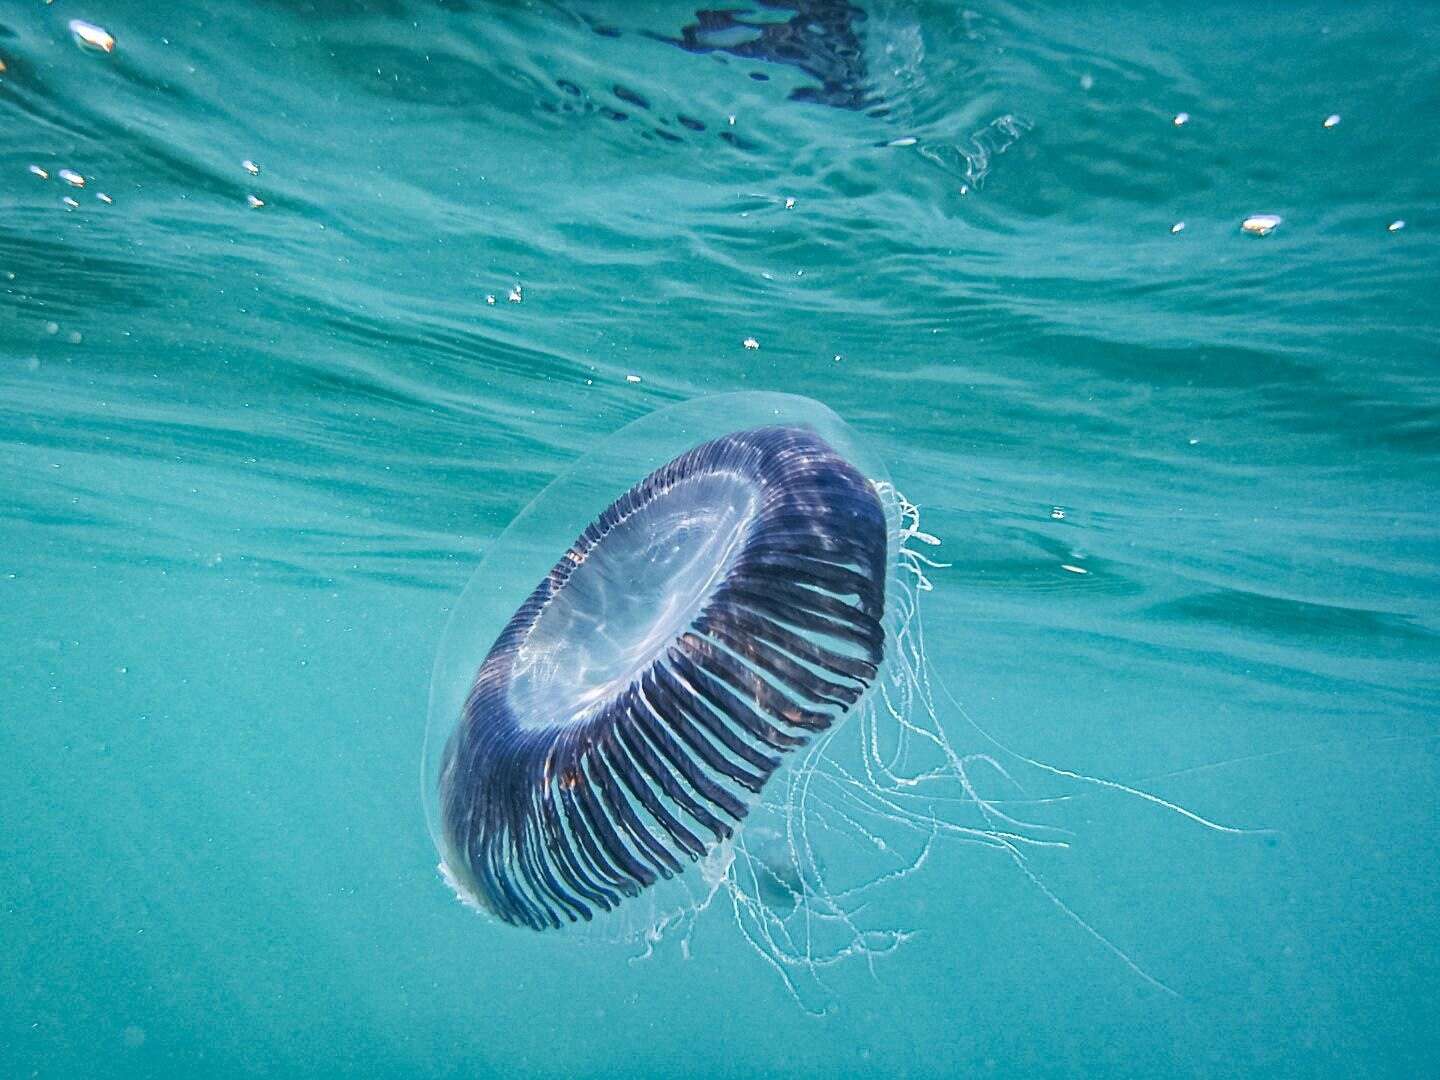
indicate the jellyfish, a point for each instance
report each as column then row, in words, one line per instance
column 717, row 695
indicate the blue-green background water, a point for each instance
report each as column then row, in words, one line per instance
column 251, row 455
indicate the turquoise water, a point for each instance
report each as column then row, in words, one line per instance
column 251, row 456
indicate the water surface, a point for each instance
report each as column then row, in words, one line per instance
column 251, row 454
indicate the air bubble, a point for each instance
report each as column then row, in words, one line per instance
column 91, row 37
column 1261, row 224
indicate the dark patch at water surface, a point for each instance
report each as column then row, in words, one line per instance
column 820, row 38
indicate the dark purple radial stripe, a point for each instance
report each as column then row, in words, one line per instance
column 751, row 686
column 567, row 865
column 623, row 813
column 870, row 639
column 738, row 622
column 628, row 728
column 808, row 604
column 562, row 881
column 686, row 722
column 542, row 888
column 815, row 545
column 740, row 714
column 832, row 578
column 596, row 862
column 550, row 821
column 682, row 697
column 609, row 841
column 689, row 843
column 686, row 767
column 798, row 678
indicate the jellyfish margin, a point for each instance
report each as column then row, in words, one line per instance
column 847, row 819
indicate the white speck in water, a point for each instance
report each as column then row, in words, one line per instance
column 1178, row 227
column 250, row 167
column 254, row 202
column 908, row 140
column 1087, row 81
column 1073, row 569
column 632, row 379
column 70, row 204
column 1396, row 225
column 89, row 36
column 1181, row 119
column 731, row 118
column 106, row 199
column 1332, row 120
column 838, row 357
column 789, row 203
column 751, row 343
column 52, row 327
column 1058, row 513
column 1194, row 442
column 71, row 177
column 1261, row 224
column 36, row 170
column 515, row 295
column 490, row 299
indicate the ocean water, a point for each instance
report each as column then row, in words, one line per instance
column 251, row 454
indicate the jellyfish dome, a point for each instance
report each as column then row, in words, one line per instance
column 699, row 629
column 707, row 620
column 692, row 674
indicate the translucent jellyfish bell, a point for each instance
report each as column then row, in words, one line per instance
column 787, row 491
column 691, row 675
